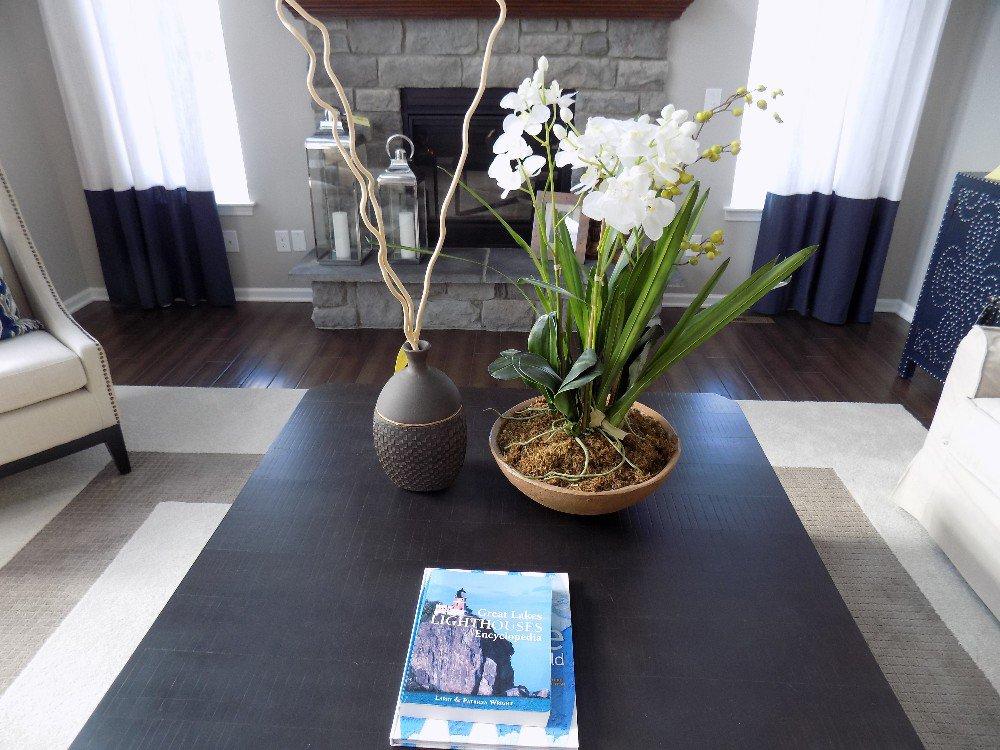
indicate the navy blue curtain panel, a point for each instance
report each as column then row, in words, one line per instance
column 840, row 283
column 157, row 246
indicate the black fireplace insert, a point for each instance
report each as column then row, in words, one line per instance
column 432, row 117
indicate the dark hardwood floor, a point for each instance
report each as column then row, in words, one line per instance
column 274, row 345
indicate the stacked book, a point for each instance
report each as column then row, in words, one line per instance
column 490, row 663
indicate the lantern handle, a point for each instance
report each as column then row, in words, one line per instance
column 413, row 149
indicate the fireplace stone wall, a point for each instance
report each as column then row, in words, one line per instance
column 618, row 67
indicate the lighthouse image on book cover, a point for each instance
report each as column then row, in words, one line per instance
column 480, row 649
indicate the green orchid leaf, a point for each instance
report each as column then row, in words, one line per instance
column 584, row 370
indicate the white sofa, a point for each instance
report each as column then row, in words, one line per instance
column 952, row 486
column 56, row 395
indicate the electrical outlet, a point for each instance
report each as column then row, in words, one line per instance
column 281, row 241
column 713, row 98
column 299, row 240
column 231, row 241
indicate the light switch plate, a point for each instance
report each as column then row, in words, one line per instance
column 299, row 240
column 281, row 241
column 713, row 98
column 231, row 240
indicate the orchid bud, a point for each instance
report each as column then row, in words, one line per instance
column 694, row 261
column 761, row 104
column 741, row 90
column 703, row 116
column 735, row 147
column 543, row 63
column 718, row 236
column 748, row 98
column 711, row 255
column 708, row 247
column 762, row 87
column 737, row 111
column 685, row 177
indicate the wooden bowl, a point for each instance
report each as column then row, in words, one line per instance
column 582, row 502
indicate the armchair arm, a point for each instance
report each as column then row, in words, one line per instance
column 49, row 308
column 974, row 373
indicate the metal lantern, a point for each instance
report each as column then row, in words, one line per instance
column 336, row 196
column 404, row 204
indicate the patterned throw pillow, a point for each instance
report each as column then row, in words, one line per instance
column 11, row 323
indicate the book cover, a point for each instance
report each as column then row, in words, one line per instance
column 479, row 650
column 561, row 730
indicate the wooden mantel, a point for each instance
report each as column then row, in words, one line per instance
column 660, row 9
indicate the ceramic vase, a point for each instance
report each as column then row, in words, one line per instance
column 419, row 426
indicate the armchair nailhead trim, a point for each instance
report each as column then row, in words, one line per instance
column 8, row 190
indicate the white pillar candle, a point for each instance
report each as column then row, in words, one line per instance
column 341, row 235
column 407, row 234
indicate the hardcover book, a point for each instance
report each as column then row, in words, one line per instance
column 480, row 648
column 561, row 729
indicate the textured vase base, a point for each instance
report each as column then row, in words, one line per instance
column 421, row 458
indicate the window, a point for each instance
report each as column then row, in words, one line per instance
column 806, row 49
column 214, row 91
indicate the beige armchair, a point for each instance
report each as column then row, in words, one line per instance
column 952, row 486
column 56, row 395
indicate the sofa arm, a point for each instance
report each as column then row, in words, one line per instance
column 989, row 383
column 47, row 306
column 974, row 373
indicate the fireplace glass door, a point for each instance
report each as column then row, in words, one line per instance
column 433, row 119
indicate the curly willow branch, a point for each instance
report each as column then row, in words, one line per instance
column 412, row 324
column 361, row 174
column 460, row 166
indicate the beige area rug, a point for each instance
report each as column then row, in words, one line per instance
column 949, row 701
column 49, row 575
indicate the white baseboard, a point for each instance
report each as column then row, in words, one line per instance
column 304, row 294
column 901, row 308
column 84, row 297
column 273, row 294
column 243, row 294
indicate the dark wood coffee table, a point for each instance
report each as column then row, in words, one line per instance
column 703, row 617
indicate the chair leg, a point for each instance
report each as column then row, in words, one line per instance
column 116, row 446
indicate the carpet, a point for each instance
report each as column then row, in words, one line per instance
column 89, row 558
column 944, row 693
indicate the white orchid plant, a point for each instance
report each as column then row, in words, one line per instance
column 598, row 343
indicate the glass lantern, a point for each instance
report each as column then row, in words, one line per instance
column 336, row 196
column 404, row 204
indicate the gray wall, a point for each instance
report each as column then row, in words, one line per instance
column 268, row 68
column 37, row 153
column 959, row 132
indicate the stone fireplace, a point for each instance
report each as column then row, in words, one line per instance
column 416, row 76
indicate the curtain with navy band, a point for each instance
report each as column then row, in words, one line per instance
column 158, row 245
column 138, row 113
column 840, row 283
column 855, row 77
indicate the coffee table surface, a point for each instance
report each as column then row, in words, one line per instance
column 702, row 617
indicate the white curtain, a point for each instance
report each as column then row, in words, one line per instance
column 147, row 91
column 855, row 76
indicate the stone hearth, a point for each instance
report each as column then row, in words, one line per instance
column 472, row 294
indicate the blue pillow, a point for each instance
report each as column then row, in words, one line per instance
column 11, row 323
